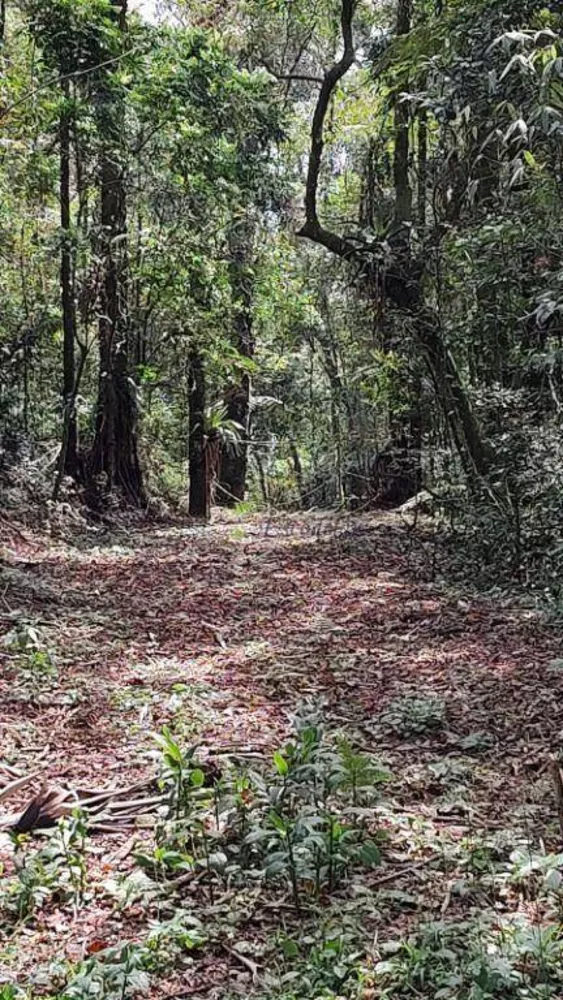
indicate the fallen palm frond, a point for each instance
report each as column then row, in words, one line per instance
column 107, row 809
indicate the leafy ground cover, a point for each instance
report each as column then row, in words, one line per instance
column 353, row 760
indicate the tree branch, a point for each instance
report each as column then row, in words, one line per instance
column 312, row 229
column 292, row 76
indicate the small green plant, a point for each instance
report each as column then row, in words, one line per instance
column 190, row 837
column 168, row 939
column 326, row 961
column 449, row 772
column 482, row 959
column 113, row 974
column 359, row 774
column 124, row 971
column 10, row 992
column 414, row 716
column 58, row 869
column 308, row 835
column 67, row 856
column 181, row 773
column 35, row 664
column 477, row 742
column 303, row 823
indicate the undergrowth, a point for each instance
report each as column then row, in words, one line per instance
column 274, row 870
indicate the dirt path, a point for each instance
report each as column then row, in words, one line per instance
column 220, row 633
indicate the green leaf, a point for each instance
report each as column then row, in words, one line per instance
column 289, row 947
column 369, row 854
column 197, row 777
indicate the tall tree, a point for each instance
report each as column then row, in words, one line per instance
column 231, row 484
column 200, row 483
column 59, row 30
column 115, row 448
column 68, row 460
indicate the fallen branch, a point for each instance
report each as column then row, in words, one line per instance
column 112, row 827
column 391, row 876
column 113, row 792
column 45, row 809
column 12, row 771
column 119, row 805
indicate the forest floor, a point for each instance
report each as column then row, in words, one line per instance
column 220, row 634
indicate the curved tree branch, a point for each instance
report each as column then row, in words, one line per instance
column 312, row 229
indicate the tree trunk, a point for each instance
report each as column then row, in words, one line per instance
column 403, row 190
column 422, row 171
column 68, row 459
column 115, row 452
column 262, row 478
column 475, row 453
column 298, row 470
column 231, row 483
column 200, row 485
column 398, row 466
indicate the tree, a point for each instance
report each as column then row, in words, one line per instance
column 231, row 484
column 115, row 452
column 402, row 277
column 200, row 483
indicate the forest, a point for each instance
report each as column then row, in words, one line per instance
column 281, row 499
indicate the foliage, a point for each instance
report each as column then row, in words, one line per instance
column 414, row 716
column 474, row 959
column 34, row 662
column 302, row 825
column 58, row 869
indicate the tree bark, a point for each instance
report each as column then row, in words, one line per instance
column 399, row 465
column 200, row 485
column 231, row 484
column 115, row 450
column 403, row 190
column 68, row 459
column 422, row 171
column 298, row 470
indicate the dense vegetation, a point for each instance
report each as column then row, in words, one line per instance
column 287, row 255
column 311, row 255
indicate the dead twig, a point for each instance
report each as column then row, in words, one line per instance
column 113, row 793
column 12, row 771
column 112, row 828
column 391, row 876
column 126, row 850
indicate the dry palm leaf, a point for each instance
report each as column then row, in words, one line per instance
column 45, row 809
column 106, row 808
